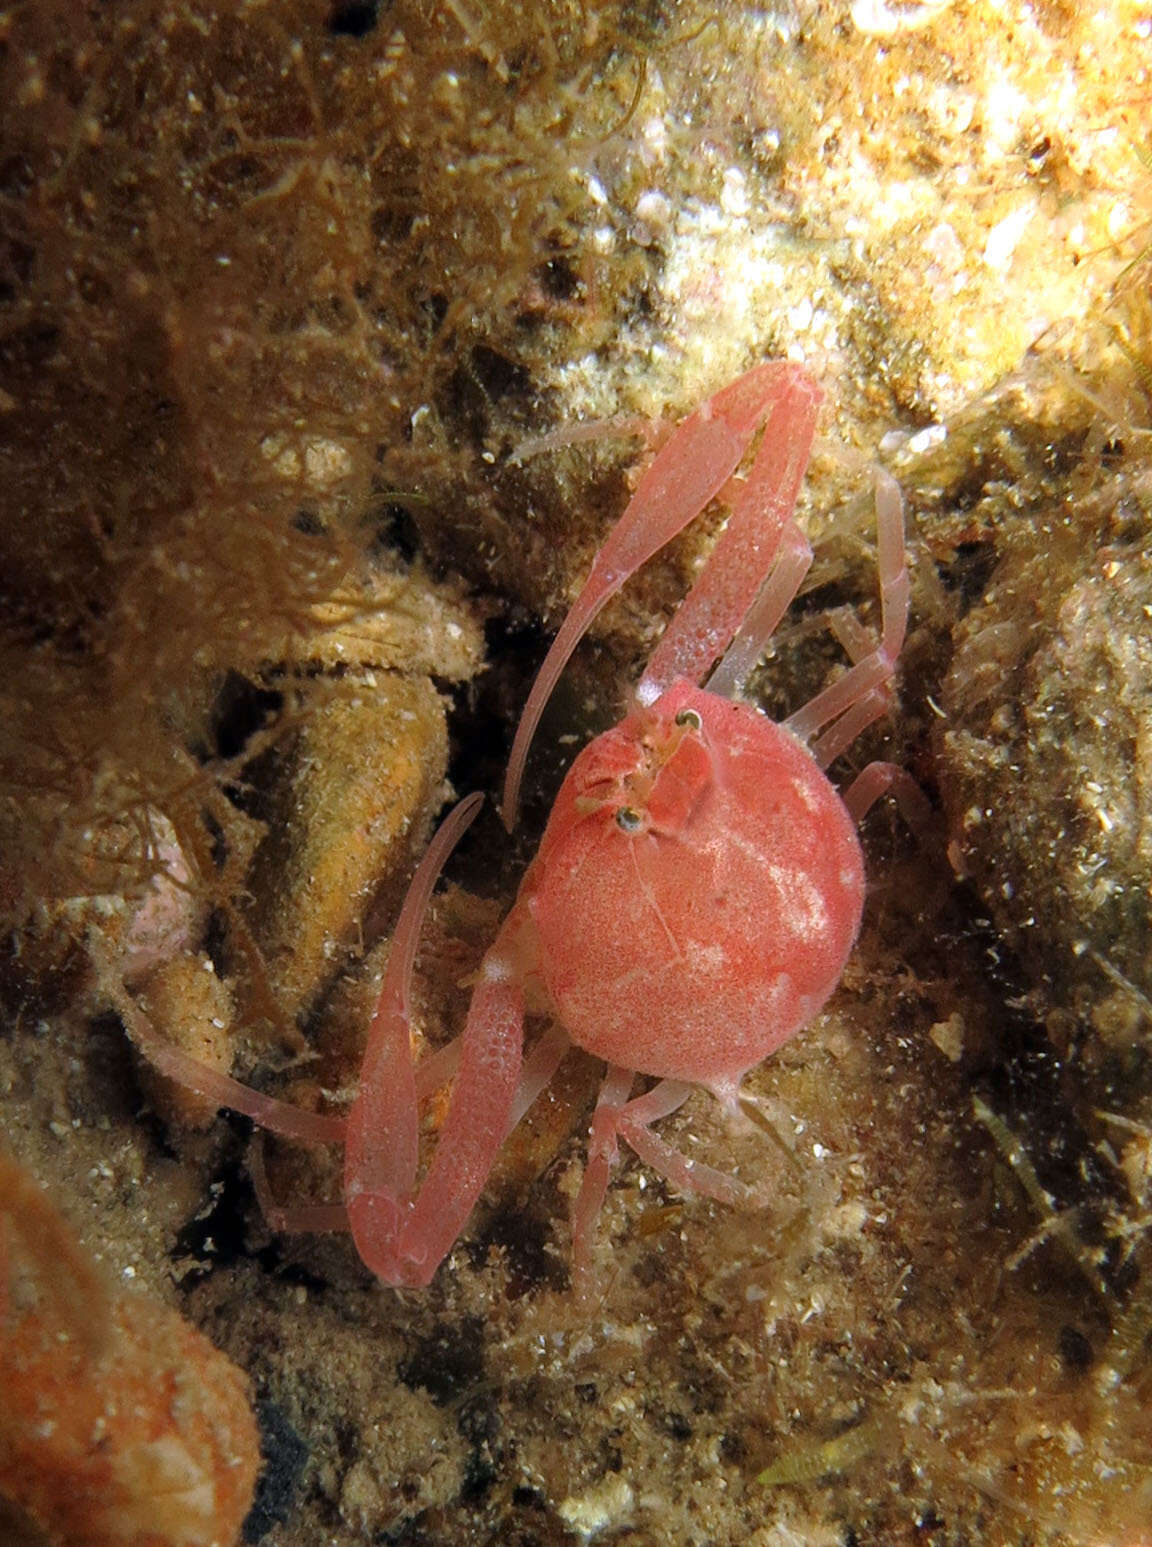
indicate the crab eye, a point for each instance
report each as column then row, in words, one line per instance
column 629, row 820
column 690, row 719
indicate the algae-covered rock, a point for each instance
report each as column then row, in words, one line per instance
column 1047, row 759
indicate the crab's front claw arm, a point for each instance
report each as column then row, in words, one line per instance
column 689, row 470
column 403, row 1231
column 403, row 1236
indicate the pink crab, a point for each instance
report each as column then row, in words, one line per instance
column 698, row 887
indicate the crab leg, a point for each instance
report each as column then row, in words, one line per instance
column 431, row 1073
column 843, row 732
column 602, row 1152
column 618, row 1118
column 317, row 1218
column 685, row 474
column 726, row 589
column 402, row 1232
column 859, row 683
column 539, row 1067
column 686, row 1175
column 880, row 779
column 277, row 1116
column 794, row 559
column 475, row 1128
column 383, row 1141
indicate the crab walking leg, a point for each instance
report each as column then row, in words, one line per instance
column 403, row 1233
column 689, row 470
column 843, row 732
column 875, row 669
column 602, row 1152
column 880, row 779
column 726, row 589
column 539, row 1067
column 793, row 561
column 686, row 1175
column 278, row 1117
column 617, row 1118
column 292, row 1218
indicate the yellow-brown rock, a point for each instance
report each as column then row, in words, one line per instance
column 360, row 781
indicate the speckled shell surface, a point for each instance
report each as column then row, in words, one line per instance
column 695, row 945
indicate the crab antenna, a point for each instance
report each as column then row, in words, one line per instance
column 688, row 470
